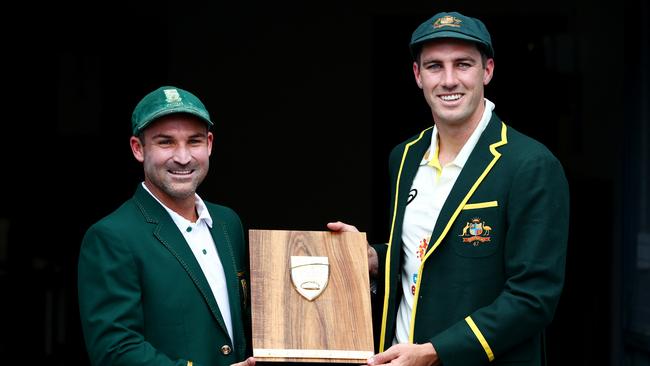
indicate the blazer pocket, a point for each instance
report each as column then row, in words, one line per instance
column 475, row 206
column 475, row 233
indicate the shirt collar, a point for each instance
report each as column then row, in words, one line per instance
column 464, row 153
column 180, row 221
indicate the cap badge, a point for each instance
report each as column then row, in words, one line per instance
column 172, row 96
column 309, row 275
column 447, row 21
column 476, row 232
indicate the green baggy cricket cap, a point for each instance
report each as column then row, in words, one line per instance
column 167, row 100
column 452, row 25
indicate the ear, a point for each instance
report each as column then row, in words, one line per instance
column 416, row 74
column 489, row 71
column 137, row 149
column 210, row 138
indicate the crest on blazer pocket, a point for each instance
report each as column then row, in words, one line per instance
column 476, row 232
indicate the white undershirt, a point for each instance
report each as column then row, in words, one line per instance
column 202, row 245
column 430, row 187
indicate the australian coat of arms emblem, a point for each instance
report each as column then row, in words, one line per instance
column 476, row 232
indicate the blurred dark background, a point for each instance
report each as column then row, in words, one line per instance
column 308, row 99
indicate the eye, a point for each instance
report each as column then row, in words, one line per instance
column 164, row 142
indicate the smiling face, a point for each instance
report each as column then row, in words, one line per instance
column 175, row 152
column 452, row 77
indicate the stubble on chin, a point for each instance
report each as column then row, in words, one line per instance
column 180, row 190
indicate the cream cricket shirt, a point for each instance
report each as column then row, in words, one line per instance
column 428, row 193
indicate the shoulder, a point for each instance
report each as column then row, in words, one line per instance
column 126, row 213
column 226, row 219
column 527, row 159
column 115, row 230
column 523, row 148
column 223, row 213
column 220, row 210
column 398, row 150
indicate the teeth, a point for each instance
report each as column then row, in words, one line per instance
column 181, row 171
column 451, row 97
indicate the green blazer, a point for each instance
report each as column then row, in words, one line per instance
column 143, row 298
column 491, row 278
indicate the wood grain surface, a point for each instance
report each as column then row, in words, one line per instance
column 336, row 327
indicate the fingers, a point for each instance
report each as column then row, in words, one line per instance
column 341, row 226
column 384, row 357
column 248, row 362
column 407, row 354
column 373, row 262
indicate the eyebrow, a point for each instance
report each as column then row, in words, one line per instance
column 459, row 59
column 167, row 136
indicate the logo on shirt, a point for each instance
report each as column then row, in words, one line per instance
column 476, row 232
column 422, row 248
column 412, row 194
column 414, row 281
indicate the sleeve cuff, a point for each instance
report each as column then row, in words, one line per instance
column 481, row 339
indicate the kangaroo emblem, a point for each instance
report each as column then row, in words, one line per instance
column 465, row 230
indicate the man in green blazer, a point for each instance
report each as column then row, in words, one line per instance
column 474, row 265
column 163, row 279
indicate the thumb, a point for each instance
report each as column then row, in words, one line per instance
column 335, row 226
column 341, row 226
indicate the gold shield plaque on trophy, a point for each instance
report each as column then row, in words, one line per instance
column 310, row 297
column 309, row 275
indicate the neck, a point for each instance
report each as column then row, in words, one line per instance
column 186, row 207
column 453, row 136
column 451, row 140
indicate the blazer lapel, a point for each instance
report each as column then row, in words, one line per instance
column 168, row 234
column 478, row 165
column 410, row 161
column 226, row 255
column 412, row 156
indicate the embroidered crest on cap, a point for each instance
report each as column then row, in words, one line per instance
column 172, row 96
column 476, row 232
column 447, row 21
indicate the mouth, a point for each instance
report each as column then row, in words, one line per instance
column 182, row 173
column 450, row 97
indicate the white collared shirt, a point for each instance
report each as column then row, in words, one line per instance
column 429, row 191
column 200, row 240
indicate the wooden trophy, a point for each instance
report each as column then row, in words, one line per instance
column 310, row 297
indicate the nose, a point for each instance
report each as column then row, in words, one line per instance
column 449, row 79
column 182, row 155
